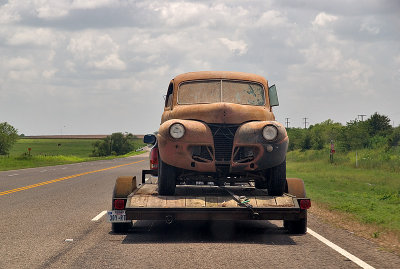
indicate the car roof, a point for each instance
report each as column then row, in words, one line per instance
column 202, row 75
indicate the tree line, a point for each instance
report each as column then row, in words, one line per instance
column 374, row 132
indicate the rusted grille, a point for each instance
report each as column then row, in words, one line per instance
column 202, row 153
column 223, row 140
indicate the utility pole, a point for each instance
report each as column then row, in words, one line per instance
column 305, row 123
column 287, row 122
column 362, row 117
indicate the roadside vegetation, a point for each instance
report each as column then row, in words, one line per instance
column 362, row 180
column 48, row 152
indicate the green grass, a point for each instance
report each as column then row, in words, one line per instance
column 370, row 192
column 47, row 152
column 68, row 147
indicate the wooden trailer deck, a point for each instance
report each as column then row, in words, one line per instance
column 205, row 196
column 204, row 202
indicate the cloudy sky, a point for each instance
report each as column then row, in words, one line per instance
column 103, row 66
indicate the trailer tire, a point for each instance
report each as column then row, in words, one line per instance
column 296, row 226
column 121, row 227
column 276, row 179
column 166, row 178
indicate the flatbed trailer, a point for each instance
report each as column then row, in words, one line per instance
column 207, row 202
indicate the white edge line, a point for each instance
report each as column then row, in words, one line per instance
column 102, row 213
column 348, row 255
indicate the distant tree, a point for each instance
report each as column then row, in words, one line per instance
column 322, row 133
column 295, row 137
column 8, row 136
column 116, row 144
column 354, row 135
column 379, row 125
column 394, row 138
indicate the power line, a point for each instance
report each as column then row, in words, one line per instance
column 362, row 117
column 305, row 123
column 287, row 122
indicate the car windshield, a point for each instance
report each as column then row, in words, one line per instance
column 214, row 91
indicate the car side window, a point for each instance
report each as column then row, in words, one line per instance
column 168, row 98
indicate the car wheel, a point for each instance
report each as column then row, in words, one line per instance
column 276, row 179
column 166, row 178
column 261, row 184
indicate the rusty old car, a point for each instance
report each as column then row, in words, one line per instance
column 218, row 128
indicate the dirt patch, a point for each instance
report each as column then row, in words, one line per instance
column 387, row 239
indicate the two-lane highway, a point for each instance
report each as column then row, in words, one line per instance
column 48, row 220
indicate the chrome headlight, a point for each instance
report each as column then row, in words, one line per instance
column 270, row 132
column 176, row 130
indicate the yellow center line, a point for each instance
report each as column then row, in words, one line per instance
column 62, row 178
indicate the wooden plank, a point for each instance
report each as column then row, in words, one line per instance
column 265, row 201
column 157, row 201
column 139, row 201
column 147, row 189
column 211, row 201
column 284, row 201
column 175, row 201
column 195, row 202
column 227, row 201
column 253, row 201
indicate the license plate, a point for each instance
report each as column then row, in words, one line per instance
column 117, row 216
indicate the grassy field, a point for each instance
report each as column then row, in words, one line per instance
column 51, row 147
column 48, row 152
column 370, row 193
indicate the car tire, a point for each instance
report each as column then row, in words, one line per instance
column 296, row 226
column 166, row 178
column 276, row 179
column 261, row 184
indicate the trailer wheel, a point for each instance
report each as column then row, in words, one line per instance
column 121, row 227
column 276, row 179
column 166, row 178
column 296, row 226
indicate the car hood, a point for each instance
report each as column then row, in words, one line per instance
column 226, row 113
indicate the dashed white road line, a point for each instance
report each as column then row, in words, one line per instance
column 12, row 175
column 99, row 216
column 348, row 255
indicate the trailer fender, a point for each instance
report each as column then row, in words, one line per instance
column 295, row 186
column 124, row 186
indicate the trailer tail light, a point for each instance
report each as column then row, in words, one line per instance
column 154, row 159
column 119, row 204
column 305, row 203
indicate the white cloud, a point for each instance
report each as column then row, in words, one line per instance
column 18, row 63
column 111, row 61
column 9, row 13
column 322, row 19
column 48, row 9
column 239, row 47
column 271, row 18
column 32, row 36
column 369, row 28
column 177, row 13
column 49, row 73
column 95, row 50
column 118, row 51
column 91, row 4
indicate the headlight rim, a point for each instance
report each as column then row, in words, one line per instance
column 276, row 132
column 177, row 124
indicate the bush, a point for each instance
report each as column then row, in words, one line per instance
column 116, row 144
column 8, row 136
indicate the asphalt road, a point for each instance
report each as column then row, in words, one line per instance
column 46, row 222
